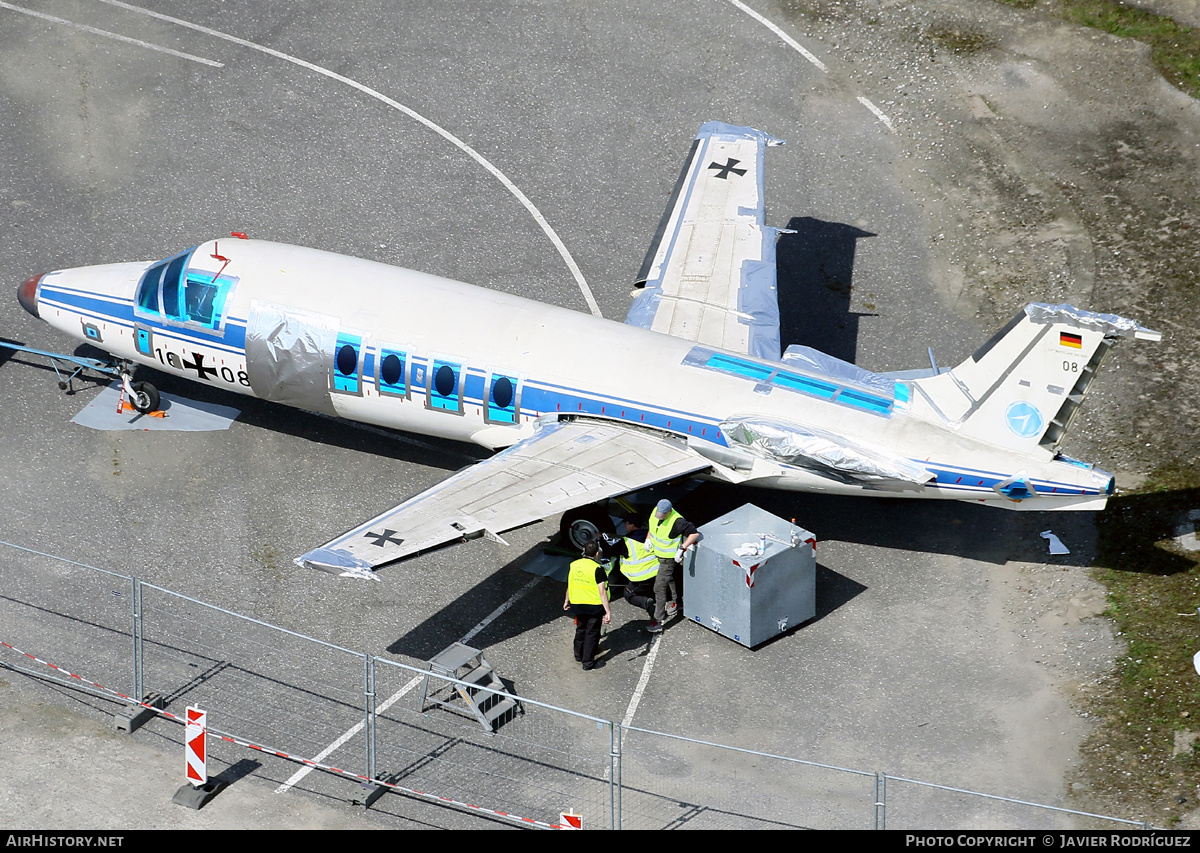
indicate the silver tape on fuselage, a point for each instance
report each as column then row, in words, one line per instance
column 289, row 356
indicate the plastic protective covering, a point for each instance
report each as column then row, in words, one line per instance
column 1109, row 324
column 758, row 300
column 808, row 447
column 289, row 355
column 818, row 363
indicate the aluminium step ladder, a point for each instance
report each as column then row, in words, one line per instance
column 480, row 696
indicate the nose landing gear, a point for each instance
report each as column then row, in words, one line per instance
column 143, row 396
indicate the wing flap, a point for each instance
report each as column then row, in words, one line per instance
column 563, row 465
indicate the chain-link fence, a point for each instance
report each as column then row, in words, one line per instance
column 272, row 686
column 456, row 736
column 539, row 760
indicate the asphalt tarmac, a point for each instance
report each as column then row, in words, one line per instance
column 381, row 130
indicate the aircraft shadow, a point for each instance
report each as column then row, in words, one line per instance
column 543, row 604
column 540, row 605
column 1129, row 535
column 814, row 276
column 1134, row 533
column 1150, row 533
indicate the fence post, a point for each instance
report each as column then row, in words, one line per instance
column 136, row 629
column 880, row 800
column 369, row 664
column 614, row 775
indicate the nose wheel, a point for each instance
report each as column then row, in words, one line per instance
column 145, row 397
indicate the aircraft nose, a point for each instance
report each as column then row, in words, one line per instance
column 27, row 294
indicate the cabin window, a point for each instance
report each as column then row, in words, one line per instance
column 346, row 363
column 393, row 369
column 445, row 386
column 502, row 404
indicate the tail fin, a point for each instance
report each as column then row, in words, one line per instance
column 1022, row 388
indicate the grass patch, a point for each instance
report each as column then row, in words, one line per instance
column 1153, row 590
column 961, row 41
column 1174, row 48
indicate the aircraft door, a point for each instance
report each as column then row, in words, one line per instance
column 290, row 356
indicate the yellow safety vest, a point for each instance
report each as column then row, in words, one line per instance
column 641, row 564
column 659, row 539
column 581, row 582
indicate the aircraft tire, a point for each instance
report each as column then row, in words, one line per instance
column 146, row 398
column 584, row 524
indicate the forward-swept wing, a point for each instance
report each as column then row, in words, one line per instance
column 563, row 465
column 709, row 276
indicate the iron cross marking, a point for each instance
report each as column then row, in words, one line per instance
column 384, row 538
column 723, row 171
column 201, row 371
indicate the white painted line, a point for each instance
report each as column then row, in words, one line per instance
column 593, row 306
column 636, row 698
column 790, row 41
column 358, row 727
column 491, row 617
column 107, row 34
column 878, row 113
column 403, row 691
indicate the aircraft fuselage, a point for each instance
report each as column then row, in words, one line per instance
column 412, row 351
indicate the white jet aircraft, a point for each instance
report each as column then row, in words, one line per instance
column 693, row 383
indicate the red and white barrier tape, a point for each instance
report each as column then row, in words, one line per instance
column 307, row 761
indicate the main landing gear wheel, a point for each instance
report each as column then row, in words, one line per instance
column 145, row 397
column 583, row 525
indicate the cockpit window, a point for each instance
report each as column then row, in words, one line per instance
column 170, row 287
column 147, row 292
column 204, row 297
column 172, row 292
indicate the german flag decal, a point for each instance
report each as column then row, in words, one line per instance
column 1067, row 339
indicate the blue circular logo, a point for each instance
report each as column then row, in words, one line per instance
column 1024, row 419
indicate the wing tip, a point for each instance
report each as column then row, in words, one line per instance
column 733, row 131
column 335, row 561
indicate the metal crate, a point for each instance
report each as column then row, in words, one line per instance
column 751, row 598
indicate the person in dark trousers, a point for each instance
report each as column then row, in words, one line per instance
column 587, row 599
column 669, row 536
column 635, row 561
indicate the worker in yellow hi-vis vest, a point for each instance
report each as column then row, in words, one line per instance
column 636, row 562
column 669, row 535
column 587, row 599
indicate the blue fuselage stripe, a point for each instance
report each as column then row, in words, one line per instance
column 121, row 312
